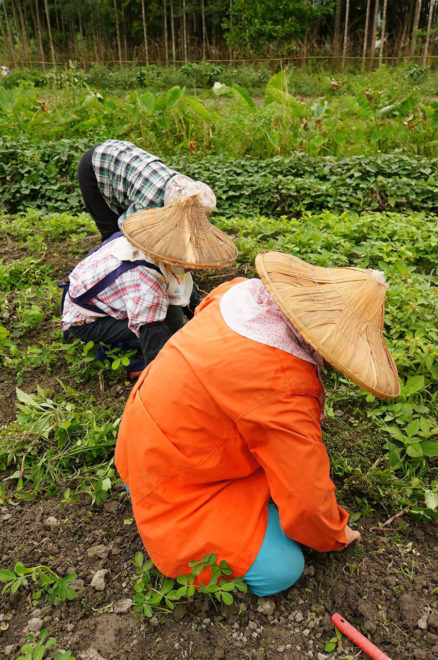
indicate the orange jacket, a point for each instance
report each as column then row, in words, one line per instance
column 216, row 425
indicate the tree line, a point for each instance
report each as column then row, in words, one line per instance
column 44, row 32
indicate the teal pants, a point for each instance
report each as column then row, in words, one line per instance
column 279, row 562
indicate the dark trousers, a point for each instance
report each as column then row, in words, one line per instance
column 153, row 336
column 104, row 217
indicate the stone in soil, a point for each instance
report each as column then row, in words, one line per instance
column 101, row 551
column 98, row 581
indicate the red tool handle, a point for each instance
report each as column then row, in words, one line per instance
column 357, row 638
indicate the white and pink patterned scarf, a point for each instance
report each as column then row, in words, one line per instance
column 248, row 309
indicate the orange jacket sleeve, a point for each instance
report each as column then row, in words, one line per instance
column 284, row 434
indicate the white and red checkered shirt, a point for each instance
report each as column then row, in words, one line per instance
column 140, row 294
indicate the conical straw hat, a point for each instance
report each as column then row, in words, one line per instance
column 180, row 233
column 338, row 311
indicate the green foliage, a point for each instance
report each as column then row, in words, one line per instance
column 37, row 223
column 156, row 593
column 22, row 273
column 56, row 588
column 35, row 649
column 260, row 24
column 194, row 75
column 276, row 186
column 60, row 440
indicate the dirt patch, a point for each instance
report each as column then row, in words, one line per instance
column 386, row 587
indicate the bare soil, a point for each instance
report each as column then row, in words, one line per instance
column 387, row 586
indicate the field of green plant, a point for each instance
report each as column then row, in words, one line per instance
column 79, row 433
column 360, row 116
column 280, row 183
column 338, row 175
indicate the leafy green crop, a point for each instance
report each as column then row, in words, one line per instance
column 44, row 177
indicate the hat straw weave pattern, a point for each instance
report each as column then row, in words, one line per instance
column 338, row 311
column 180, row 233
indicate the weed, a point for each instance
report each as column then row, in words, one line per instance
column 155, row 592
column 335, row 643
column 35, row 649
column 56, row 588
column 60, row 440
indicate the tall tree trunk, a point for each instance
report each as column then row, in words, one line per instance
column 166, row 45
column 145, row 33
column 184, row 31
column 4, row 41
column 365, row 38
column 337, row 32
column 49, row 30
column 231, row 25
column 24, row 32
column 402, row 40
column 383, row 32
column 9, row 31
column 123, row 26
column 119, row 44
column 374, row 33
column 18, row 30
column 429, row 27
column 40, row 36
column 347, row 17
column 415, row 26
column 204, row 30
column 172, row 28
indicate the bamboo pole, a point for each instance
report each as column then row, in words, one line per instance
column 365, row 37
column 374, row 33
column 40, row 38
column 184, row 31
column 172, row 28
column 383, row 33
column 204, row 31
column 49, row 30
column 347, row 17
column 9, row 31
column 145, row 33
column 337, row 32
column 415, row 27
column 119, row 44
column 166, row 44
column 429, row 27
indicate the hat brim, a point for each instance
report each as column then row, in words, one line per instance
column 205, row 265
column 355, row 348
column 180, row 234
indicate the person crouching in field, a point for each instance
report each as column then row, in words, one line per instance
column 133, row 288
column 117, row 179
column 228, row 417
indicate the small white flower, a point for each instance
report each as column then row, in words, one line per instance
column 219, row 88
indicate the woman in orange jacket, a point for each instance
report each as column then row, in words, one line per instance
column 227, row 418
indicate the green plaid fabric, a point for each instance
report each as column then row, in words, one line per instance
column 129, row 178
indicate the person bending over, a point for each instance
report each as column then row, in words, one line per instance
column 220, row 443
column 117, row 179
column 133, row 288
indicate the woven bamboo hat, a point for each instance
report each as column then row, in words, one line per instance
column 339, row 312
column 180, row 233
